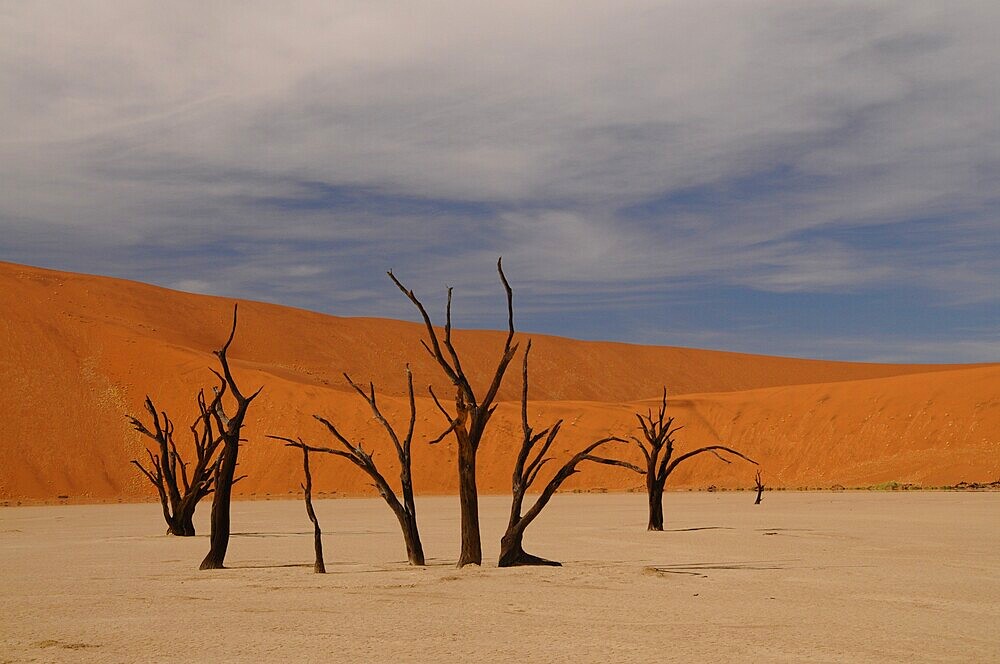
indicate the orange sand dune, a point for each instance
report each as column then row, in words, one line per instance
column 78, row 352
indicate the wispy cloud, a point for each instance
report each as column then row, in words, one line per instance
column 624, row 158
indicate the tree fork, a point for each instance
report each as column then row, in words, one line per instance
column 657, row 447
column 405, row 510
column 167, row 471
column 230, row 429
column 529, row 462
column 472, row 414
column 468, row 495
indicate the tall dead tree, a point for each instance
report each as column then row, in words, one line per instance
column 759, row 485
column 657, row 446
column 472, row 413
column 405, row 510
column 178, row 489
column 530, row 460
column 230, row 429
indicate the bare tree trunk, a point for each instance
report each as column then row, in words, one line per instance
column 188, row 505
column 512, row 553
column 319, row 567
column 760, row 488
column 655, row 493
column 411, row 535
column 187, row 523
column 468, row 496
column 219, row 539
column 414, row 548
column 175, row 529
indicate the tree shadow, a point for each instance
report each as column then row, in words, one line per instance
column 271, row 566
column 353, row 567
column 697, row 569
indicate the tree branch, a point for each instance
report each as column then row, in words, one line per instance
column 701, row 450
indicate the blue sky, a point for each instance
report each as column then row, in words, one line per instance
column 812, row 179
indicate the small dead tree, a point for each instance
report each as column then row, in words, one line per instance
column 512, row 551
column 168, row 472
column 657, row 446
column 472, row 413
column 319, row 567
column 229, row 429
column 759, row 487
column 405, row 510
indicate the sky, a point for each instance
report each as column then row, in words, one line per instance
column 813, row 179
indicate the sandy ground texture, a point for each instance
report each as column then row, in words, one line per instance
column 819, row 577
column 78, row 353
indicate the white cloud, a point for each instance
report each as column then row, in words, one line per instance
column 192, row 128
column 193, row 286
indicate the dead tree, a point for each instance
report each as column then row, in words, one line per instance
column 759, row 487
column 657, row 446
column 512, row 551
column 229, row 429
column 405, row 510
column 319, row 567
column 167, row 471
column 472, row 413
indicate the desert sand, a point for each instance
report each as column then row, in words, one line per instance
column 818, row 577
column 78, row 352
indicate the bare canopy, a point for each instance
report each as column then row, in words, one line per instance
column 472, row 412
column 405, row 510
column 180, row 490
column 530, row 459
column 657, row 447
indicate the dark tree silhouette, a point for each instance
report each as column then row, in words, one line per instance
column 657, row 446
column 319, row 566
column 512, row 551
column 178, row 489
column 759, row 485
column 472, row 413
column 229, row 429
column 405, row 509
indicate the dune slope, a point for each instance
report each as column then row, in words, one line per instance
column 78, row 352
